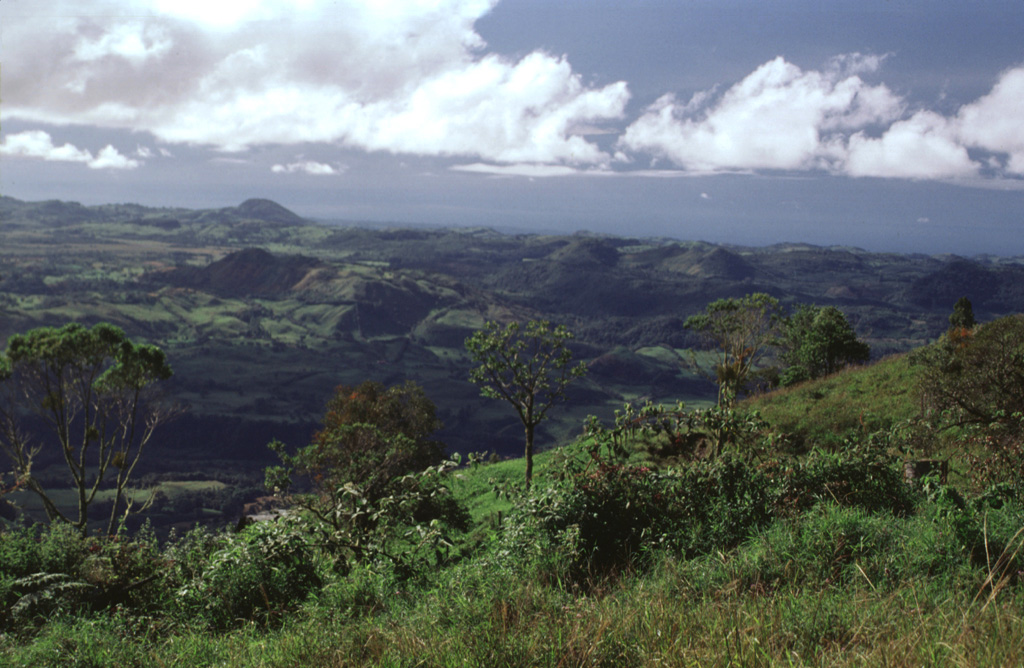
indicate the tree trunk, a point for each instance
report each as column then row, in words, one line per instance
column 529, row 454
column 83, row 509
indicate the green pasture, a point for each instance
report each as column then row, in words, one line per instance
column 856, row 399
column 67, row 499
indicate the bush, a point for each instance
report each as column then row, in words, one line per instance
column 254, row 575
column 19, row 552
column 856, row 479
column 606, row 520
column 611, row 518
column 62, row 549
column 58, row 569
column 722, row 503
column 976, row 376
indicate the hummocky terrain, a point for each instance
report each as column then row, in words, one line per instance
column 263, row 313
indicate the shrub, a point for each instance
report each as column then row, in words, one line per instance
column 976, row 376
column 609, row 518
column 58, row 569
column 62, row 549
column 847, row 479
column 126, row 571
column 254, row 575
column 19, row 552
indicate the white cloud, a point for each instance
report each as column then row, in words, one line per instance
column 527, row 170
column 497, row 110
column 403, row 76
column 39, row 145
column 306, row 167
column 778, row 117
column 110, row 158
column 930, row 146
column 921, row 147
column 415, row 77
column 133, row 42
column 782, row 117
column 995, row 122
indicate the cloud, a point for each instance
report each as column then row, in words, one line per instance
column 995, row 122
column 778, row 117
column 415, row 77
column 307, row 167
column 39, row 145
column 110, row 158
column 921, row 147
column 401, row 76
column 521, row 169
column 781, row 117
column 133, row 42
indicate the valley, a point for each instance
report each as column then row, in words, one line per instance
column 263, row 313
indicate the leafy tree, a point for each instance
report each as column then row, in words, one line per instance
column 528, row 366
column 373, row 471
column 819, row 341
column 89, row 389
column 741, row 332
column 962, row 317
column 977, row 379
column 974, row 379
column 372, row 433
column 961, row 322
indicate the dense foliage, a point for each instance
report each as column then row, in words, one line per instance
column 977, row 375
column 818, row 341
column 371, row 434
column 602, row 538
column 973, row 381
column 371, row 482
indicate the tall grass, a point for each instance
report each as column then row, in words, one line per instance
column 855, row 400
column 834, row 586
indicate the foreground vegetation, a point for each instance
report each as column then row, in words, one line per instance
column 626, row 552
column 747, row 533
column 765, row 571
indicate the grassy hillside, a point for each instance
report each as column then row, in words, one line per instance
column 843, row 581
column 856, row 400
column 640, row 558
column 613, row 559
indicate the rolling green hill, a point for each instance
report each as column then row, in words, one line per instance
column 263, row 313
column 856, row 400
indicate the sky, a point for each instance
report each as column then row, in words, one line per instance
column 890, row 125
